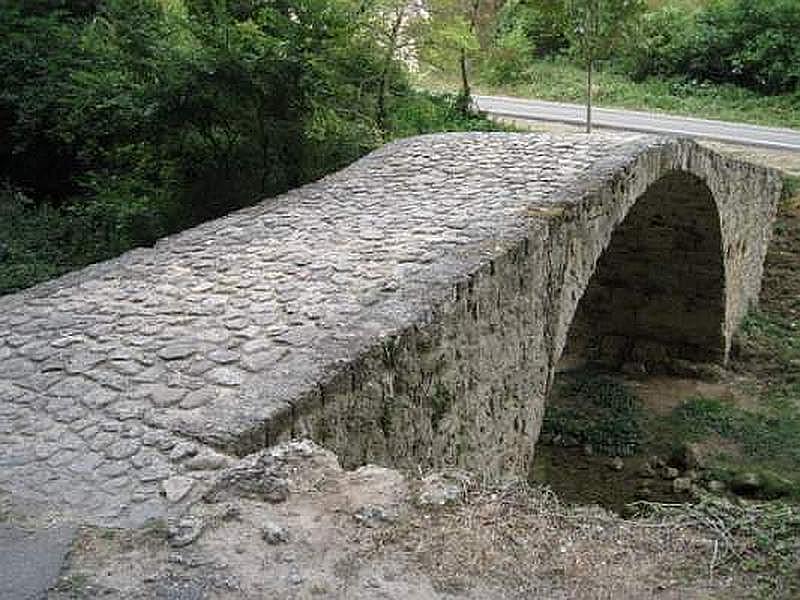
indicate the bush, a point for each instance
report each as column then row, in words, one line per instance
column 525, row 30
column 752, row 43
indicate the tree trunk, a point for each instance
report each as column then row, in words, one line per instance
column 383, row 84
column 466, row 92
column 589, row 65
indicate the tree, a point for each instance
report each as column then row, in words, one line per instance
column 388, row 22
column 597, row 27
column 452, row 33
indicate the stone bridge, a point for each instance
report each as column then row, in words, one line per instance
column 407, row 310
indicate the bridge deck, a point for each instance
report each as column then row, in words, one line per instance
column 135, row 371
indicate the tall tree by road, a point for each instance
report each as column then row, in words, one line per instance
column 451, row 33
column 597, row 27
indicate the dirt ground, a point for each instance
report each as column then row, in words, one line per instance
column 372, row 533
column 311, row 530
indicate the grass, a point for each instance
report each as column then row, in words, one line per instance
column 759, row 539
column 562, row 81
column 597, row 410
column 768, row 442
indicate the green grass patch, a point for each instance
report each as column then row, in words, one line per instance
column 598, row 410
column 561, row 81
column 769, row 441
column 791, row 186
column 775, row 335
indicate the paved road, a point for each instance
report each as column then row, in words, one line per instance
column 738, row 133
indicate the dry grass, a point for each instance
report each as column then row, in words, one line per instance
column 524, row 543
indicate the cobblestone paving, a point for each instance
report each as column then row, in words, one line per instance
column 117, row 381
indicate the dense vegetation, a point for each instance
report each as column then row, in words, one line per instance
column 751, row 43
column 124, row 120
column 730, row 59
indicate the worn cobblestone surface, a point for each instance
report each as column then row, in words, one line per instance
column 126, row 375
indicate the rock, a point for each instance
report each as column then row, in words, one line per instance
column 569, row 441
column 634, row 369
column 746, row 483
column 692, row 474
column 646, row 471
column 669, row 473
column 716, row 486
column 588, row 450
column 176, row 488
column 616, row 464
column 765, row 485
column 228, row 376
column 439, row 489
column 681, row 485
column 690, row 456
column 262, row 476
column 274, row 534
column 206, row 461
column 198, row 398
column 185, row 531
column 176, row 352
column 182, row 450
column 371, row 515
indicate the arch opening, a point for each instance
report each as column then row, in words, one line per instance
column 658, row 290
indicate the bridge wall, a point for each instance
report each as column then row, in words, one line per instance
column 469, row 385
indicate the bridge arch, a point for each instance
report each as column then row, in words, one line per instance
column 657, row 292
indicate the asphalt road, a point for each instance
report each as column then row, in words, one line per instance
column 737, row 133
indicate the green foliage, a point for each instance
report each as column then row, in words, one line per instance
column 597, row 410
column 597, row 27
column 753, row 43
column 791, row 187
column 418, row 112
column 125, row 120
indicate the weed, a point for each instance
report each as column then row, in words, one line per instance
column 598, row 410
column 761, row 539
column 76, row 585
column 791, row 187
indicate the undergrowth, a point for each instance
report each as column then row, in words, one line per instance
column 761, row 539
column 598, row 410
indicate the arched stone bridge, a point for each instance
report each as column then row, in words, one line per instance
column 409, row 309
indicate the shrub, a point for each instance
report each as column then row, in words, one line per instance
column 752, row 43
